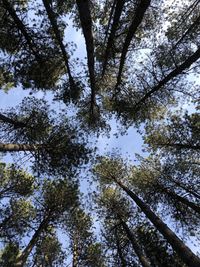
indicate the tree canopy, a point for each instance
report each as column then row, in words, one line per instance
column 88, row 66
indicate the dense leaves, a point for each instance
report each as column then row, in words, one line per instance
column 138, row 64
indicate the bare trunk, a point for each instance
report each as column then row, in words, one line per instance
column 181, row 199
column 53, row 21
column 179, row 146
column 144, row 261
column 18, row 147
column 86, row 24
column 185, row 65
column 26, row 252
column 109, row 21
column 182, row 250
column 117, row 14
column 189, row 191
column 119, row 251
column 138, row 17
column 15, row 123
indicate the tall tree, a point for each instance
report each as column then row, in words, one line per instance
column 53, row 144
column 51, row 201
column 107, row 171
column 85, row 250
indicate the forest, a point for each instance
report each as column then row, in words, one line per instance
column 82, row 68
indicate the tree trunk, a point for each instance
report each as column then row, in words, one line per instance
column 8, row 6
column 15, row 123
column 144, row 261
column 181, row 199
column 53, row 21
column 178, row 146
column 86, row 24
column 119, row 251
column 182, row 250
column 117, row 14
column 20, row 262
column 189, row 191
column 185, row 65
column 109, row 21
column 75, row 252
column 138, row 17
column 18, row 147
column 194, row 24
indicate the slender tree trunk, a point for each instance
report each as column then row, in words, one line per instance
column 53, row 21
column 182, row 250
column 109, row 21
column 179, row 146
column 181, row 199
column 8, row 6
column 15, row 123
column 86, row 24
column 119, row 251
column 143, row 259
column 26, row 252
column 194, row 194
column 75, row 252
column 194, row 24
column 117, row 14
column 185, row 65
column 138, row 17
column 18, row 147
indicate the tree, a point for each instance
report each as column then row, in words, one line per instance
column 51, row 201
column 179, row 135
column 157, row 249
column 140, row 60
column 110, row 170
column 49, row 251
column 33, row 128
column 16, row 208
column 116, row 212
column 85, row 250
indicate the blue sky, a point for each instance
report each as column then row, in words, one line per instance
column 128, row 144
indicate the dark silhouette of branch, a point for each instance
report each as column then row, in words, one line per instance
column 117, row 14
column 86, row 24
column 185, row 65
column 137, row 19
column 55, row 27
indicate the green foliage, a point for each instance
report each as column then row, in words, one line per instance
column 156, row 248
column 9, row 255
column 15, row 181
column 141, row 65
column 49, row 252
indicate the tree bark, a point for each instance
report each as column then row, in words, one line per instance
column 182, row 250
column 185, row 65
column 15, row 123
column 185, row 188
column 18, row 147
column 119, row 251
column 53, row 22
column 86, row 24
column 144, row 261
column 181, row 199
column 7, row 5
column 179, row 146
column 137, row 19
column 117, row 14
column 26, row 252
